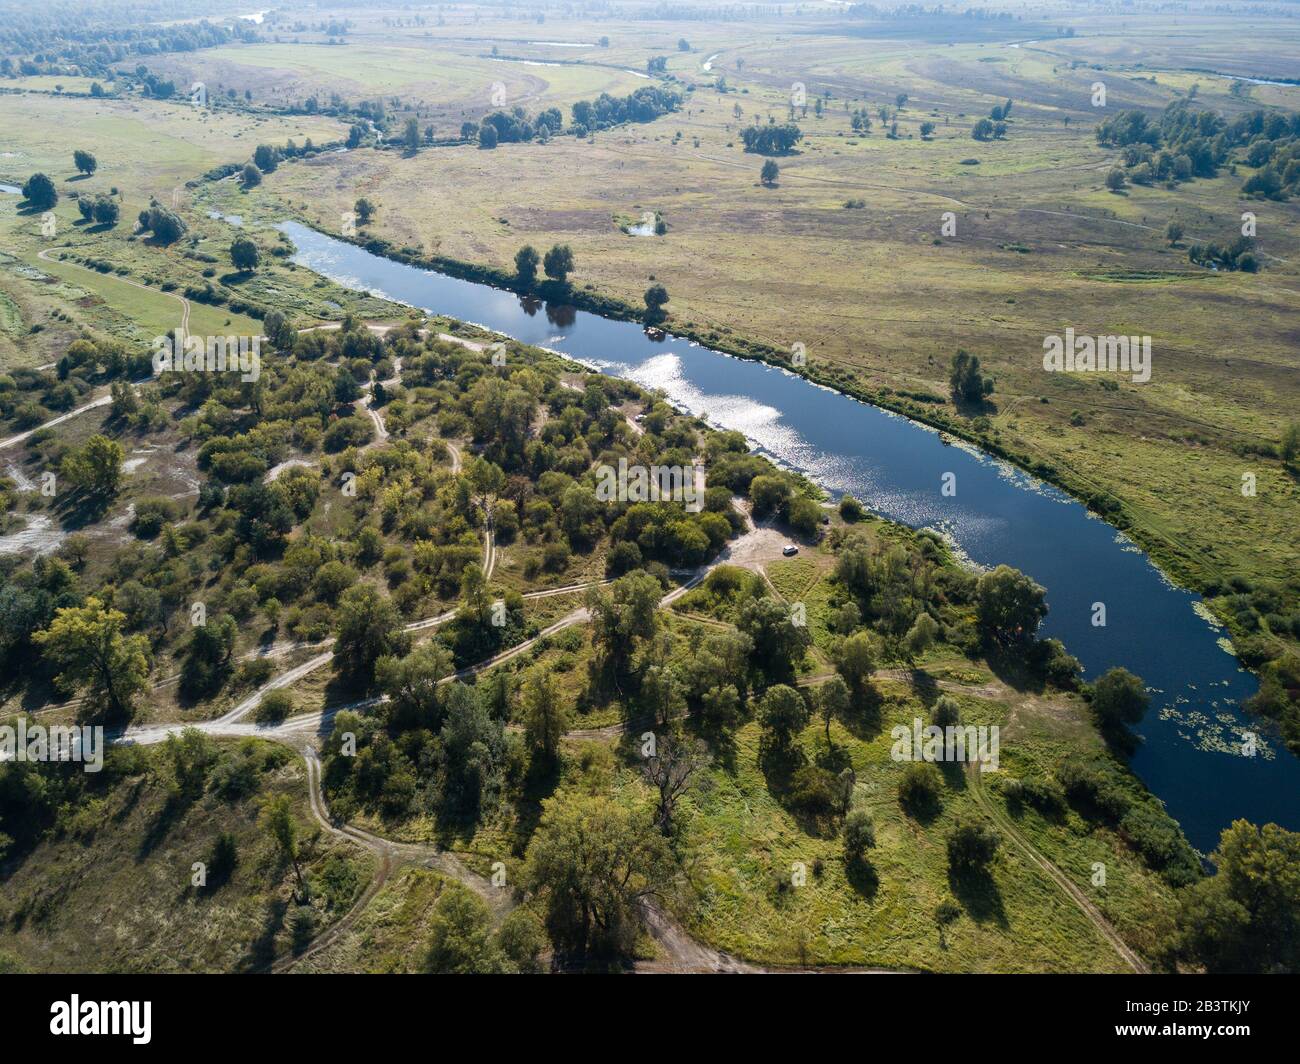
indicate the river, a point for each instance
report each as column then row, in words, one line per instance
column 1191, row 756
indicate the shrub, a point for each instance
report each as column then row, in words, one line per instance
column 921, row 787
column 274, row 707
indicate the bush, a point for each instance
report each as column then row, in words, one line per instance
column 971, row 847
column 946, row 711
column 921, row 788
column 817, row 792
column 274, row 707
column 151, row 514
column 851, row 510
column 859, row 836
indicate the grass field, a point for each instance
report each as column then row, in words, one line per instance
column 110, row 890
column 878, row 294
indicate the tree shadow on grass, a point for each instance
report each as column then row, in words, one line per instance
column 539, row 783
column 862, row 877
column 168, row 816
column 925, row 686
column 954, row 774
column 261, row 951
column 865, row 719
column 921, row 809
column 1009, row 666
column 82, row 508
column 977, row 893
column 133, row 795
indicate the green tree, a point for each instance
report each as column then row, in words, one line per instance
column 526, row 261
column 95, row 467
column 769, row 172
column 411, row 136
column 971, row 847
column 655, row 298
column 364, row 210
column 522, row 939
column 967, row 381
column 859, row 837
column 558, row 263
column 251, row 176
column 39, row 191
column 460, row 936
column 278, row 330
column 834, row 699
column 624, row 615
column 167, row 226
column 413, row 685
column 769, row 494
column 86, row 645
column 282, row 828
column 855, row 661
column 851, row 509
column 947, row 711
column 783, row 714
column 190, row 756
column 545, row 717
column 591, row 862
column 1246, row 918
column 1289, row 448
column 1119, row 698
column 244, row 255
column 266, row 158
column 1011, row 606
column 106, row 210
column 367, row 627
column 84, row 162
column 920, row 788
column 778, row 642
column 924, row 631
column 1174, row 231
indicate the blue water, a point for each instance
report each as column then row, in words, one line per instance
column 1191, row 754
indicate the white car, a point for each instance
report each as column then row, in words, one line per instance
column 789, row 550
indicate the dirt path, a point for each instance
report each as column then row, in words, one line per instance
column 1076, row 895
column 105, row 399
column 44, row 256
column 94, row 404
column 457, row 459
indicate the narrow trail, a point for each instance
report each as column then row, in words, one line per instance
column 390, row 857
column 94, row 404
column 106, row 398
column 1080, row 899
column 457, row 459
column 44, row 256
column 158, row 732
